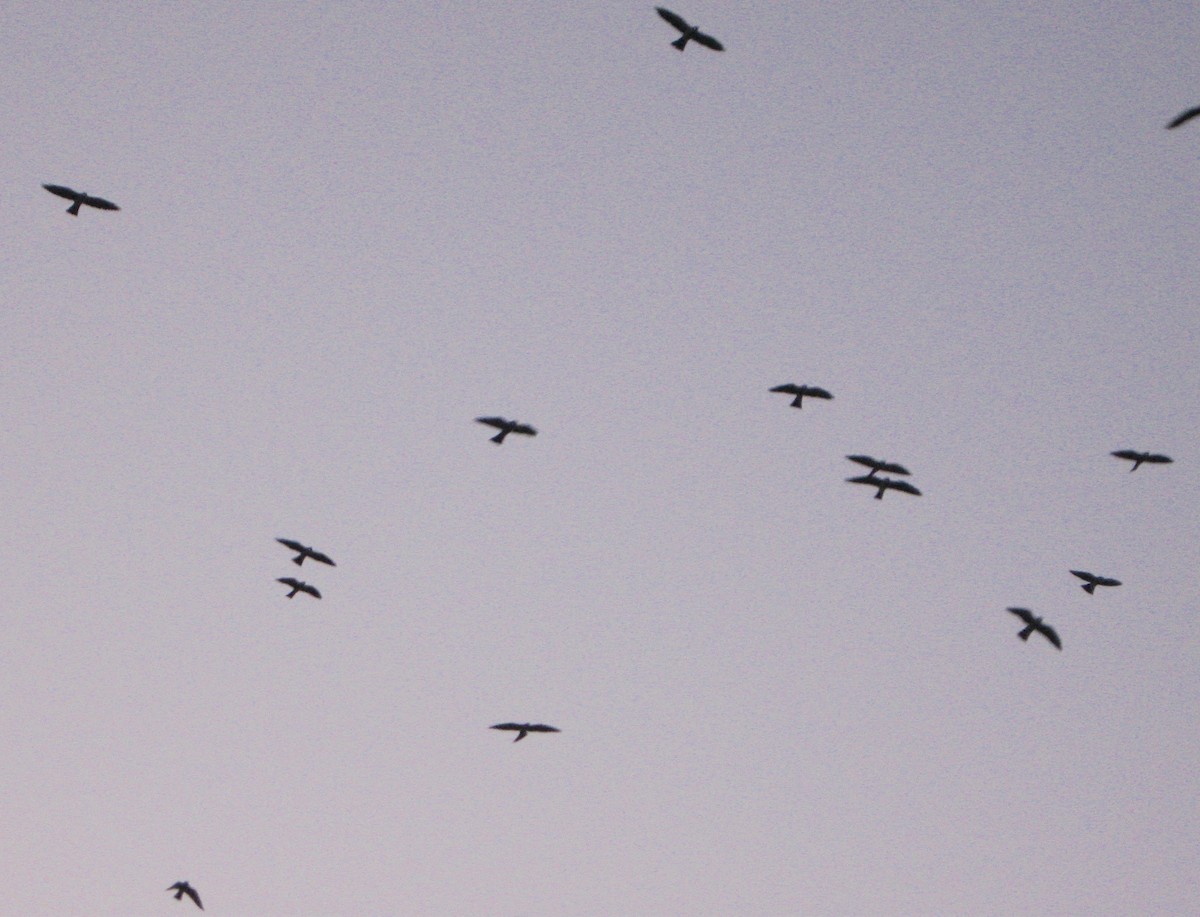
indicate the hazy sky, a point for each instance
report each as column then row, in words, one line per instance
column 348, row 229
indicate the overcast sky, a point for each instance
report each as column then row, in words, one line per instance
column 348, row 229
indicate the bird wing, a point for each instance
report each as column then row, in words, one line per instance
column 294, row 545
column 191, row 893
column 1023, row 613
column 498, row 422
column 1087, row 577
column 290, row 581
column 1106, row 581
column 893, row 468
column 1050, row 634
column 1127, row 454
column 323, row 558
column 524, row 428
column 1158, row 459
column 311, row 590
column 788, row 389
column 708, row 41
column 813, row 392
column 63, row 191
column 1180, row 119
column 509, row 726
column 898, row 485
column 864, row 479
column 541, row 727
column 678, row 21
column 865, row 460
column 99, row 203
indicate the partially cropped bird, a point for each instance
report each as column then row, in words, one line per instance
column 883, row 484
column 305, row 551
column 876, row 465
column 1137, row 458
column 690, row 32
column 298, row 586
column 523, row 729
column 1091, row 581
column 1034, row 623
column 802, row 391
column 183, row 888
column 80, row 197
column 505, row 427
column 1185, row 117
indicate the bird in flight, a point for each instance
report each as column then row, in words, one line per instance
column 1138, row 457
column 1091, row 581
column 883, row 484
column 1184, row 118
column 305, row 551
column 183, row 888
column 690, row 32
column 1032, row 623
column 298, row 586
column 800, row 391
column 523, row 729
column 505, row 427
column 876, row 465
column 80, row 197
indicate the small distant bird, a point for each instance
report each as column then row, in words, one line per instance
column 1138, row 457
column 298, row 586
column 876, row 465
column 524, row 729
column 1091, row 581
column 305, row 551
column 80, row 197
column 1032, row 623
column 505, row 427
column 884, row 484
column 1185, row 117
column 800, row 391
column 690, row 32
column 181, row 889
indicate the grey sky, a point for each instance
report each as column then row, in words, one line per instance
column 349, row 229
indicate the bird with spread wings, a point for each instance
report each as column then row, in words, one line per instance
column 523, row 729
column 183, row 888
column 801, row 392
column 1034, row 623
column 877, row 465
column 1150, row 458
column 298, row 586
column 1184, row 117
column 882, row 484
column 305, row 551
column 1091, row 581
column 690, row 32
column 80, row 197
column 505, row 427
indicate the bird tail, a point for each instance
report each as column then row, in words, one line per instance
column 178, row 894
column 520, row 735
column 299, row 560
column 293, row 592
column 879, row 493
column 1089, row 588
column 499, row 437
column 74, row 209
column 680, row 42
column 1024, row 635
column 799, row 398
column 1135, row 465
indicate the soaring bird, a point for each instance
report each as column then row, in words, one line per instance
column 505, row 427
column 80, row 197
column 876, row 465
column 1186, row 116
column 800, row 391
column 1091, row 581
column 298, row 586
column 305, row 551
column 523, row 729
column 183, row 888
column 690, row 32
column 1032, row 623
column 884, row 484
column 1138, row 457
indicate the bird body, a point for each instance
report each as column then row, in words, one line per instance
column 1091, row 581
column 1185, row 117
column 183, row 888
column 1150, row 458
column 690, row 32
column 802, row 391
column 80, row 197
column 882, row 484
column 523, row 729
column 506, row 426
column 305, row 551
column 1034, row 623
column 298, row 586
column 876, row 465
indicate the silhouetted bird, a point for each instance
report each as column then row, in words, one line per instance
column 801, row 391
column 690, row 32
column 298, row 586
column 524, row 728
column 1185, row 117
column 1138, row 457
column 1091, row 581
column 305, row 551
column 876, row 465
column 80, row 197
column 505, row 427
column 1033, row 622
column 181, row 889
column 883, row 484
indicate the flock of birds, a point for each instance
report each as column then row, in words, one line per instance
column 874, row 478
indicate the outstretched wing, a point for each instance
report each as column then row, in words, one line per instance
column 499, row 422
column 877, row 465
column 191, row 893
column 311, row 590
column 864, row 479
column 1085, row 576
column 524, row 428
column 812, row 391
column 99, row 203
column 290, row 581
column 63, row 191
column 788, row 389
column 511, row 727
column 1106, row 581
column 708, row 41
column 1127, row 454
column 899, row 485
column 541, row 727
column 678, row 21
column 1050, row 634
column 1023, row 613
column 1180, row 119
column 294, row 545
column 1158, row 459
column 323, row 558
